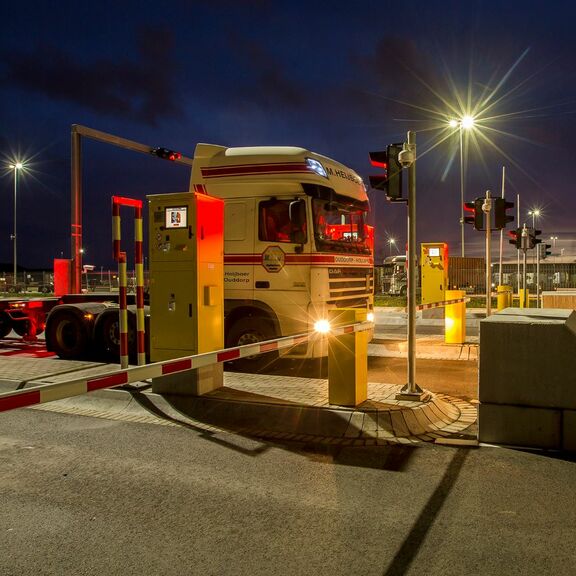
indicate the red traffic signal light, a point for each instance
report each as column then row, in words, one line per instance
column 391, row 181
column 166, row 154
column 516, row 238
column 477, row 217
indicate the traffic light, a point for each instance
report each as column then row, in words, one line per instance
column 477, row 215
column 166, row 154
column 500, row 216
column 516, row 238
column 391, row 180
column 533, row 235
column 544, row 250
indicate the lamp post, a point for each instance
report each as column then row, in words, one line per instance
column 390, row 242
column 535, row 213
column 17, row 166
column 465, row 123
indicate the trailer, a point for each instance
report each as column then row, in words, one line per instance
column 27, row 317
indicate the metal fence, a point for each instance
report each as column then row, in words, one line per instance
column 552, row 276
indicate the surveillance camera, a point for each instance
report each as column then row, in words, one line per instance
column 406, row 158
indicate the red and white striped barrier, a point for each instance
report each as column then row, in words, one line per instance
column 59, row 390
column 120, row 257
column 441, row 304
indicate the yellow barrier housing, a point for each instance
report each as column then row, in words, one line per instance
column 504, row 297
column 348, row 360
column 455, row 318
column 524, row 296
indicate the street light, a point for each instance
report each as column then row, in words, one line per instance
column 466, row 122
column 390, row 242
column 535, row 213
column 17, row 166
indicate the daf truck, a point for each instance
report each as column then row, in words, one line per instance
column 296, row 244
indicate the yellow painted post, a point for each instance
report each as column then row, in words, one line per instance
column 524, row 296
column 348, row 360
column 504, row 298
column 455, row 318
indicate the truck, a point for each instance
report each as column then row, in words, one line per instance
column 296, row 245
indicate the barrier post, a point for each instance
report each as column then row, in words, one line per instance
column 455, row 318
column 524, row 295
column 504, row 297
column 347, row 360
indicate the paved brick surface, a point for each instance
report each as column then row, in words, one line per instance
column 271, row 406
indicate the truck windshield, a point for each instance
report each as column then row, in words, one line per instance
column 340, row 227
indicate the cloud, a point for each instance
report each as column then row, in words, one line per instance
column 142, row 90
column 271, row 86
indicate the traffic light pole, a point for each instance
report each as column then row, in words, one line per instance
column 538, row 275
column 486, row 207
column 524, row 246
column 411, row 390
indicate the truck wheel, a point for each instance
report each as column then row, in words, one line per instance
column 69, row 336
column 5, row 325
column 251, row 331
column 107, row 337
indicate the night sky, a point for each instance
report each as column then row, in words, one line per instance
column 339, row 78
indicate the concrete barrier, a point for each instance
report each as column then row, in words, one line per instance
column 527, row 378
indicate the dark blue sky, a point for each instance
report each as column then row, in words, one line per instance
column 340, row 78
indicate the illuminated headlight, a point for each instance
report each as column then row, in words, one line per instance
column 322, row 326
column 315, row 166
column 370, row 316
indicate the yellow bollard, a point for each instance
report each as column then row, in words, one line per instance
column 455, row 318
column 348, row 360
column 524, row 296
column 504, row 298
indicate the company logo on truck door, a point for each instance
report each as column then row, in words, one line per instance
column 273, row 258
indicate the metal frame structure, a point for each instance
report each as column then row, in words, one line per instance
column 77, row 133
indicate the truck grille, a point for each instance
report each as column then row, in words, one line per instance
column 350, row 287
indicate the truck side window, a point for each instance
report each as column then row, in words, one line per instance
column 274, row 221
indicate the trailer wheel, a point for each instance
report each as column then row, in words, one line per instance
column 69, row 336
column 5, row 325
column 251, row 331
column 107, row 336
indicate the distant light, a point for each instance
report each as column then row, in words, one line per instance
column 453, row 123
column 322, row 326
column 467, row 122
column 316, row 166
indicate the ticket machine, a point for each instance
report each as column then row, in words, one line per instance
column 186, row 268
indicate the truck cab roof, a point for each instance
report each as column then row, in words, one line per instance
column 216, row 167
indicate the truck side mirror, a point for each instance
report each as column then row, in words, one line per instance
column 297, row 213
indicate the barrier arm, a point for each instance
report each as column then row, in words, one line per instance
column 60, row 390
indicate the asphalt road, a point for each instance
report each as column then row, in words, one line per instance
column 91, row 496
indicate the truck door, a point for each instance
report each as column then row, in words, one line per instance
column 239, row 252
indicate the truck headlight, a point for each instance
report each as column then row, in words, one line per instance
column 322, row 326
column 370, row 316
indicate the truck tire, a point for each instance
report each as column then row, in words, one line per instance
column 69, row 336
column 5, row 325
column 250, row 331
column 107, row 336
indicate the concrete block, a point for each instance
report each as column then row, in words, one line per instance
column 527, row 358
column 520, row 426
column 569, row 430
